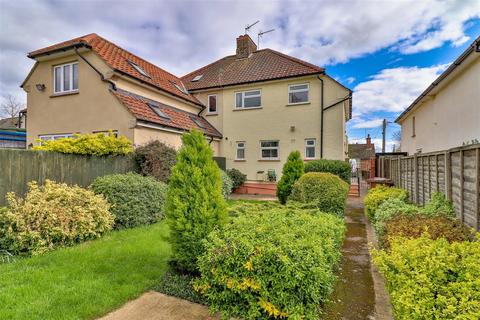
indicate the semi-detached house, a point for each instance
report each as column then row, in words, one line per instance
column 255, row 106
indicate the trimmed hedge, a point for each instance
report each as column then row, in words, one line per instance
column 389, row 209
column 291, row 172
column 156, row 159
column 322, row 190
column 271, row 264
column 376, row 196
column 432, row 279
column 340, row 168
column 237, row 177
column 136, row 200
column 53, row 215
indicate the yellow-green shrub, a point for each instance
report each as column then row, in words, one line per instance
column 432, row 279
column 376, row 196
column 51, row 216
column 97, row 144
column 271, row 264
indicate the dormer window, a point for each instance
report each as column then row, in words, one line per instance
column 158, row 111
column 197, row 78
column 65, row 78
column 138, row 68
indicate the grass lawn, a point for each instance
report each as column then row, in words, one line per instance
column 87, row 280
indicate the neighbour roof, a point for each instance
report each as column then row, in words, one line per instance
column 124, row 62
column 173, row 117
column 474, row 47
column 9, row 123
column 262, row 65
column 361, row 151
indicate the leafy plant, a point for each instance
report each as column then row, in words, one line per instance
column 340, row 168
column 97, row 144
column 156, row 159
column 237, row 177
column 180, row 285
column 136, row 200
column 389, row 209
column 376, row 196
column 51, row 216
column 431, row 279
column 322, row 190
column 439, row 205
column 292, row 171
column 240, row 207
column 195, row 205
column 271, row 264
column 227, row 184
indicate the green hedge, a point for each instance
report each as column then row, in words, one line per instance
column 325, row 191
column 271, row 264
column 376, row 196
column 50, row 216
column 156, row 159
column 136, row 200
column 337, row 167
column 292, row 170
column 237, row 177
column 432, row 279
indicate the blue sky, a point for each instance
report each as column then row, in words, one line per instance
column 388, row 52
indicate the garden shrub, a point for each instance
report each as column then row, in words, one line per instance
column 323, row 190
column 340, row 168
column 274, row 264
column 51, row 216
column 432, row 279
column 292, row 171
column 237, row 177
column 376, row 196
column 136, row 200
column 227, row 184
column 156, row 159
column 389, row 209
column 97, row 144
column 195, row 205
column 180, row 285
column 240, row 207
column 439, row 205
column 436, row 227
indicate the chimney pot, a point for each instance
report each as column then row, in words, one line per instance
column 245, row 46
column 369, row 140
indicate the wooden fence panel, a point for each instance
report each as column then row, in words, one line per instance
column 18, row 167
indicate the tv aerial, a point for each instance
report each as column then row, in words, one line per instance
column 247, row 28
column 260, row 34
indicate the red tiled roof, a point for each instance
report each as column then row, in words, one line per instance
column 179, row 119
column 265, row 64
column 117, row 58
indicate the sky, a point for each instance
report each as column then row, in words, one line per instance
column 387, row 52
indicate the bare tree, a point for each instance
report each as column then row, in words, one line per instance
column 10, row 107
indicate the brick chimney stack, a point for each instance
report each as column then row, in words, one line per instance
column 369, row 140
column 245, row 46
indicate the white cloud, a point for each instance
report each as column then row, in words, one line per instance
column 350, row 80
column 366, row 124
column 394, row 89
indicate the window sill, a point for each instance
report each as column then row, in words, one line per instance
column 245, row 109
column 311, row 159
column 239, row 160
column 212, row 114
column 298, row 104
column 269, row 160
column 55, row 95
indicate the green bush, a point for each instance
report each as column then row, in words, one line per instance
column 136, row 200
column 237, row 177
column 439, row 205
column 340, row 168
column 97, row 144
column 227, row 184
column 325, row 191
column 195, row 205
column 180, row 285
column 292, row 171
column 376, row 196
column 273, row 264
column 432, row 279
column 389, row 209
column 240, row 207
column 436, row 227
column 156, row 159
column 51, row 216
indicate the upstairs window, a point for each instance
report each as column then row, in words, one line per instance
column 197, row 78
column 138, row 69
column 212, row 104
column 240, row 155
column 310, row 148
column 248, row 99
column 269, row 150
column 298, row 93
column 158, row 111
column 65, row 78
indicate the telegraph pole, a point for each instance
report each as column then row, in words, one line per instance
column 384, row 131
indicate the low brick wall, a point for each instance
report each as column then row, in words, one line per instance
column 263, row 188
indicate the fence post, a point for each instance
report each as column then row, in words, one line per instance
column 415, row 178
column 448, row 176
column 477, row 186
column 462, row 213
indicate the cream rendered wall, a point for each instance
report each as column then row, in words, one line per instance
column 448, row 119
column 215, row 119
column 273, row 121
column 94, row 108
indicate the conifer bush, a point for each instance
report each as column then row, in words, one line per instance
column 292, row 171
column 195, row 205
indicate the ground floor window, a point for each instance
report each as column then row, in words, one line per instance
column 310, row 148
column 269, row 150
column 47, row 137
column 106, row 132
column 240, row 155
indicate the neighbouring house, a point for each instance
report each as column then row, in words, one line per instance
column 362, row 157
column 12, row 132
column 255, row 106
column 447, row 113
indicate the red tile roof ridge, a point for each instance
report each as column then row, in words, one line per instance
column 305, row 63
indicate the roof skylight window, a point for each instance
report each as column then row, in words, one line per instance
column 198, row 122
column 139, row 69
column 180, row 88
column 158, row 111
column 197, row 78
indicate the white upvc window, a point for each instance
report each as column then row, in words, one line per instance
column 65, row 78
column 269, row 150
column 212, row 104
column 47, row 137
column 310, row 148
column 240, row 152
column 298, row 93
column 248, row 99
